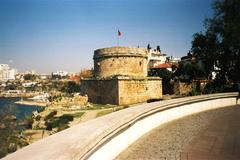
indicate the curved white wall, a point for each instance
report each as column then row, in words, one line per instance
column 126, row 138
column 105, row 137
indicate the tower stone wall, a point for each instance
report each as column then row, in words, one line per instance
column 120, row 61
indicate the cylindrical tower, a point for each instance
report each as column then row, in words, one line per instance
column 122, row 61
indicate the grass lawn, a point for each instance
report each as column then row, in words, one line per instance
column 102, row 113
column 78, row 114
column 100, row 106
column 62, row 122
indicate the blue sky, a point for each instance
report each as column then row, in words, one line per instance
column 50, row 35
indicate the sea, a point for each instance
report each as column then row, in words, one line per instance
column 8, row 106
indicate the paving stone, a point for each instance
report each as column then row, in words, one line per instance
column 209, row 135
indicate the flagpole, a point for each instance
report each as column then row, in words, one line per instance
column 118, row 41
column 118, row 37
column 118, row 34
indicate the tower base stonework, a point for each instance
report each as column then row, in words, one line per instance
column 122, row 90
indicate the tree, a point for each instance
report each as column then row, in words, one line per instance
column 190, row 70
column 56, row 77
column 86, row 73
column 72, row 87
column 221, row 41
column 158, row 49
column 166, row 81
column 149, row 47
column 11, row 87
column 204, row 47
column 30, row 77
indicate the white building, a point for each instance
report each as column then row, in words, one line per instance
column 29, row 84
column 215, row 71
column 155, row 58
column 7, row 73
column 44, row 76
column 172, row 59
column 60, row 73
column 43, row 97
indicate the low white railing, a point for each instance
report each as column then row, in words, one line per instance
column 105, row 137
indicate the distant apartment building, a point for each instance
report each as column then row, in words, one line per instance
column 44, row 76
column 60, row 73
column 7, row 73
column 29, row 84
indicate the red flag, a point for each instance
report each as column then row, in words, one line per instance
column 119, row 33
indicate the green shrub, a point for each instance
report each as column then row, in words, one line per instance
column 50, row 115
column 48, row 126
column 3, row 152
column 59, row 122
column 38, row 117
column 194, row 92
column 67, row 117
column 12, row 147
column 104, row 112
column 28, row 122
column 65, row 126
column 78, row 114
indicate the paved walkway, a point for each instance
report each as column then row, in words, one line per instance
column 211, row 135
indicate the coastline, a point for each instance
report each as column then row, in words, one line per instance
column 18, row 95
column 15, row 121
column 31, row 103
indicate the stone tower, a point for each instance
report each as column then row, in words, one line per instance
column 120, row 77
column 120, row 61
